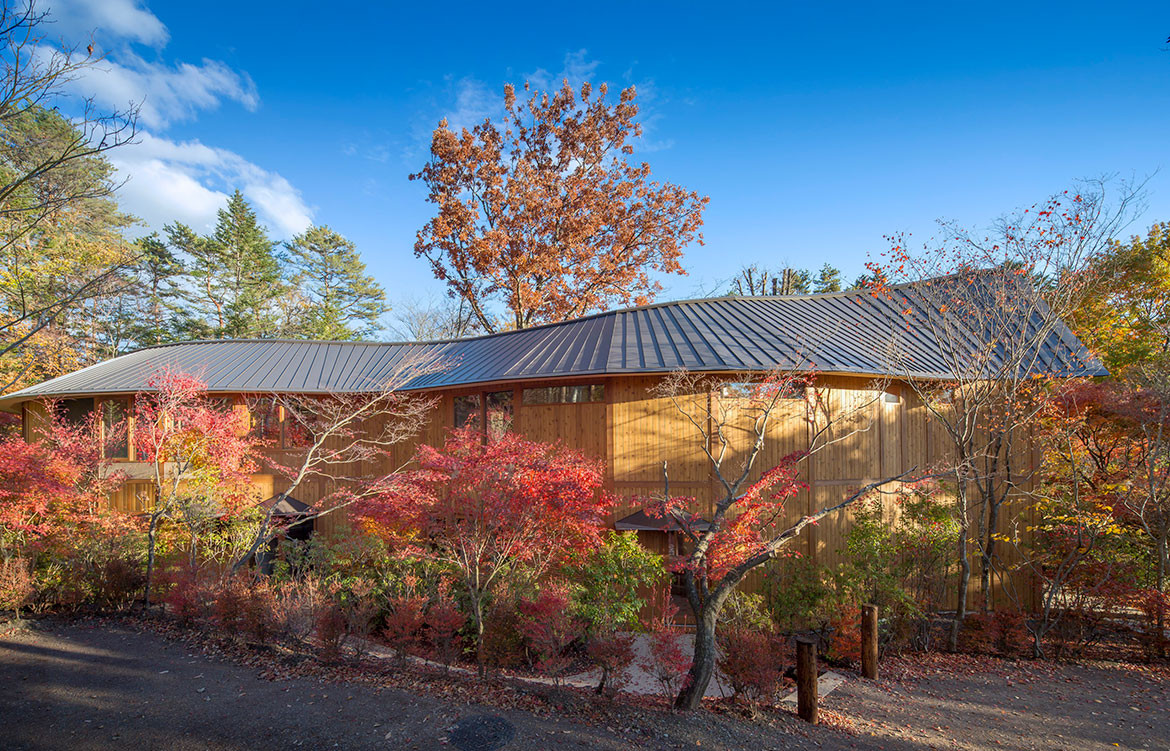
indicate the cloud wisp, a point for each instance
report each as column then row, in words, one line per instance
column 166, row 179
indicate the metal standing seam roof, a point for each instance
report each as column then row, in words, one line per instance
column 848, row 332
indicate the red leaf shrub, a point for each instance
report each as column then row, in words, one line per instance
column 442, row 624
column 404, row 624
column 187, row 597
column 332, row 632
column 753, row 662
column 1154, row 606
column 667, row 662
column 16, row 584
column 549, row 628
column 845, row 637
column 502, row 644
column 613, row 652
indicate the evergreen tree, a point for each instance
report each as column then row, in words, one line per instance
column 339, row 300
column 828, row 279
column 234, row 274
column 158, row 296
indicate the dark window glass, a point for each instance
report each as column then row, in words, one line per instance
column 565, row 394
column 115, row 428
column 298, row 431
column 265, row 418
column 499, row 413
column 467, row 411
column 75, row 411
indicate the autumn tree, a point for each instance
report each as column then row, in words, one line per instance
column 487, row 508
column 50, row 165
column 417, row 320
column 201, row 455
column 1125, row 317
column 544, row 216
column 342, row 441
column 733, row 421
column 340, row 300
column 1012, row 286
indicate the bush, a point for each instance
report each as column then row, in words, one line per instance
column 17, row 585
column 297, row 603
column 609, row 579
column 331, row 629
column 613, row 652
column 229, row 606
column 442, row 624
column 752, row 659
column 404, row 624
column 187, row 596
column 549, row 627
column 1155, row 607
column 667, row 662
column 502, row 645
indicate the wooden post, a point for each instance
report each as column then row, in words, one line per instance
column 806, row 678
column 869, row 641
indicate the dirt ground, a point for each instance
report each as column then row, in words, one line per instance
column 83, row 686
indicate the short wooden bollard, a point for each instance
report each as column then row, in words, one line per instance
column 806, row 678
column 869, row 641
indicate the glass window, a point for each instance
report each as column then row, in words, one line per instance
column 467, row 411
column 565, row 394
column 75, row 411
column 264, row 415
column 750, row 389
column 499, row 413
column 298, row 430
column 115, row 428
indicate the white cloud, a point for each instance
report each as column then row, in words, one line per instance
column 118, row 19
column 188, row 181
column 165, row 93
column 576, row 68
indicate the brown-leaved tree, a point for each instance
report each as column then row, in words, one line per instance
column 545, row 217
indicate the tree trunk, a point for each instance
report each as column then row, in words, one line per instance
column 703, row 661
column 151, row 537
column 964, row 577
column 987, row 557
column 1160, row 618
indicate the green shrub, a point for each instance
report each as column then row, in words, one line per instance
column 609, row 581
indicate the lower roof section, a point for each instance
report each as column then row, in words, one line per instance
column 851, row 332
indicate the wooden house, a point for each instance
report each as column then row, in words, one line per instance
column 587, row 383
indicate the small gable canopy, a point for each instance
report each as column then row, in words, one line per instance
column 642, row 521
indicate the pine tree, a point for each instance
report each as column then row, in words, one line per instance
column 828, row 279
column 339, row 300
column 234, row 274
column 157, row 294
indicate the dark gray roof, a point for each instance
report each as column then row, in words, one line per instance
column 848, row 332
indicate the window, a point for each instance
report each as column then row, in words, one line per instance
column 499, row 413
column 467, row 411
column 75, row 412
column 116, row 428
column 264, row 415
column 790, row 389
column 496, row 406
column 565, row 394
column 891, row 398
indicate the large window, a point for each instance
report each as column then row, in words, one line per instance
column 75, row 411
column 116, row 428
column 467, row 411
column 265, row 420
column 499, row 413
column 494, row 406
column 594, row 392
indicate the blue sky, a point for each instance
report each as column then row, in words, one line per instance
column 816, row 129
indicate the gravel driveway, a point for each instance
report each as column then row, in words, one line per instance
column 78, row 686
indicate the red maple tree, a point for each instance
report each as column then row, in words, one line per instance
column 489, row 509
